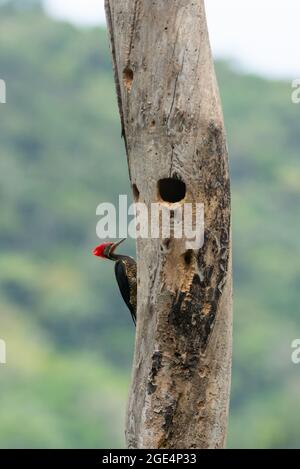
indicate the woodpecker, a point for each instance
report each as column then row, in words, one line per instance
column 125, row 272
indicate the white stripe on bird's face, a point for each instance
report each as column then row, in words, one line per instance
column 114, row 246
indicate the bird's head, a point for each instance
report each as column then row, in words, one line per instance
column 106, row 250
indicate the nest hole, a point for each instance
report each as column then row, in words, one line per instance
column 171, row 190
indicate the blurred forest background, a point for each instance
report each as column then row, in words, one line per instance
column 69, row 336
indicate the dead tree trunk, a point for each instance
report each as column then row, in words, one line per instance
column 175, row 141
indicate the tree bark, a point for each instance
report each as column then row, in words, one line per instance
column 173, row 127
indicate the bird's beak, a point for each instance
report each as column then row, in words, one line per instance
column 115, row 245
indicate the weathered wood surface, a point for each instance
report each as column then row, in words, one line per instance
column 173, row 128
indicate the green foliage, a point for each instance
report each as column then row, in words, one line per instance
column 69, row 336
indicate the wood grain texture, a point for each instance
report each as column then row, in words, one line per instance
column 172, row 124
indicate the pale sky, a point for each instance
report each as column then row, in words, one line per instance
column 260, row 35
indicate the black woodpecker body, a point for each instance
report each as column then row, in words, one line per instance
column 125, row 271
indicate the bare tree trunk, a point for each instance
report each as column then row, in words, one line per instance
column 173, row 128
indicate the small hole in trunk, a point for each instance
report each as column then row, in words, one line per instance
column 136, row 193
column 128, row 78
column 188, row 257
